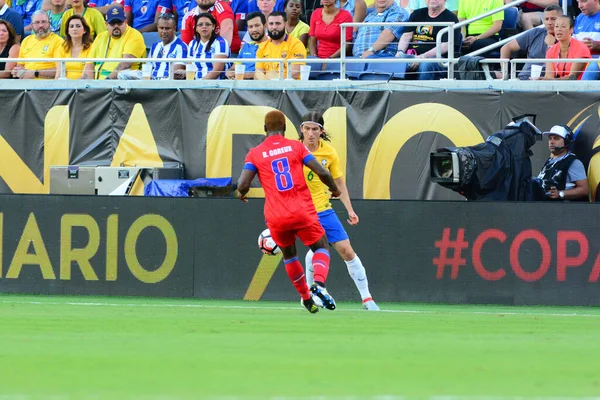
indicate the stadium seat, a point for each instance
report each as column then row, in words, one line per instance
column 241, row 35
column 315, row 67
column 509, row 25
column 509, row 28
column 150, row 38
column 332, row 71
column 383, row 71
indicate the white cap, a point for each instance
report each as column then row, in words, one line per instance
column 558, row 130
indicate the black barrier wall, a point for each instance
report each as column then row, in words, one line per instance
column 383, row 138
column 451, row 252
column 96, row 245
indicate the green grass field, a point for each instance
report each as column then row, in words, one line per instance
column 139, row 348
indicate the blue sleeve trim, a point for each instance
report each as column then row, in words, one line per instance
column 308, row 159
column 250, row 167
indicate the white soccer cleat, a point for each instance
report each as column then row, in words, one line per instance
column 322, row 293
column 370, row 306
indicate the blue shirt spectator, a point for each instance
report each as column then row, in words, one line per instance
column 144, row 12
column 253, row 6
column 365, row 46
column 240, row 8
column 587, row 26
column 26, row 8
column 256, row 35
column 104, row 5
column 349, row 6
column 181, row 7
column 249, row 50
column 15, row 19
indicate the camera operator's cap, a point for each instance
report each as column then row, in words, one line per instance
column 115, row 14
column 558, row 130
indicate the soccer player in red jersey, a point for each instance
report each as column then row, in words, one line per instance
column 289, row 210
column 226, row 26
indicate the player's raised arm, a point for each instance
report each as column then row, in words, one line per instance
column 324, row 176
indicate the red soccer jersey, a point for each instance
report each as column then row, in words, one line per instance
column 221, row 11
column 279, row 164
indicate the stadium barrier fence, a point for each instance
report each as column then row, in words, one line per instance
column 414, row 251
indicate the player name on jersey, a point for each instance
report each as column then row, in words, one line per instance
column 276, row 152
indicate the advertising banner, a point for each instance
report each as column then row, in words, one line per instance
column 95, row 245
column 383, row 138
column 413, row 251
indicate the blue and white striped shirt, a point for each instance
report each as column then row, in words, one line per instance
column 197, row 50
column 176, row 49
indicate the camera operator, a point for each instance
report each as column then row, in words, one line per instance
column 563, row 176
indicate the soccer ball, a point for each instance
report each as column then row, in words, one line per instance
column 266, row 244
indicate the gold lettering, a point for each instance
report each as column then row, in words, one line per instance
column 82, row 255
column 262, row 276
column 335, row 125
column 17, row 175
column 226, row 121
column 31, row 235
column 400, row 128
column 112, row 247
column 170, row 259
column 137, row 145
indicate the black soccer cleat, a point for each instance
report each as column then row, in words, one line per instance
column 310, row 306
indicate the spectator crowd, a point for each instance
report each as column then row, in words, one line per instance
column 205, row 31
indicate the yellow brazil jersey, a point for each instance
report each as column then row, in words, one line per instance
column 74, row 69
column 93, row 17
column 290, row 48
column 48, row 47
column 131, row 42
column 329, row 159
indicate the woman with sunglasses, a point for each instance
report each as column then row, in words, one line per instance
column 208, row 46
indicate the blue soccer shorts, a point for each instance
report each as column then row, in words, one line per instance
column 333, row 226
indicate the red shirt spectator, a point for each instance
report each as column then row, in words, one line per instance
column 328, row 35
column 221, row 11
column 576, row 50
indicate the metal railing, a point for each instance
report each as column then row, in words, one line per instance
column 487, row 14
column 504, row 62
column 450, row 59
column 515, row 61
column 438, row 39
column 63, row 61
